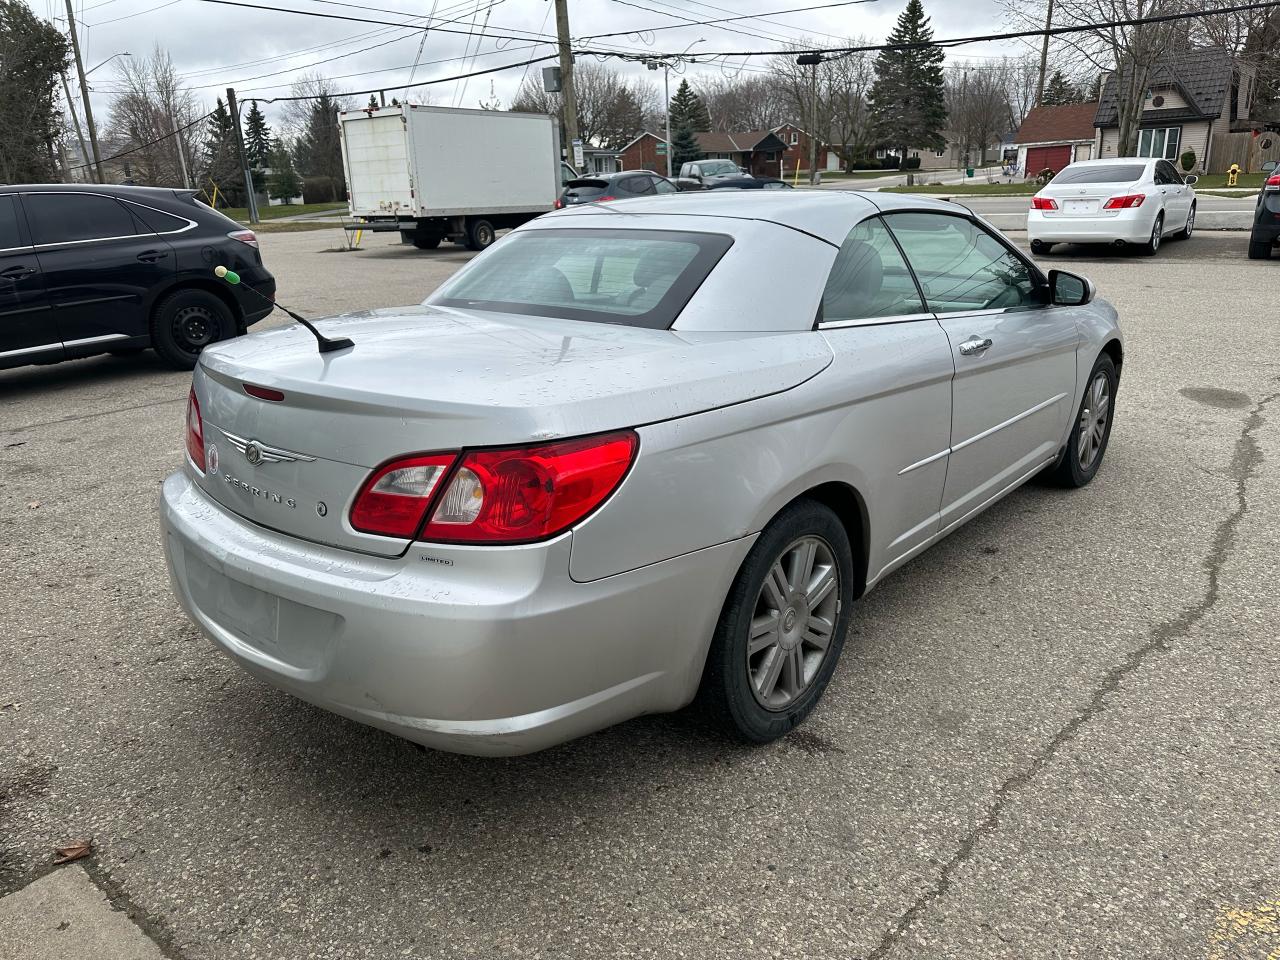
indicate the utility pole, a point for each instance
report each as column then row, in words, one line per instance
column 182, row 157
column 566, row 75
column 1044, row 55
column 84, row 91
column 75, row 119
column 812, row 60
column 250, row 201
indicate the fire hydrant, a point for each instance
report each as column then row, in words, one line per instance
column 1233, row 172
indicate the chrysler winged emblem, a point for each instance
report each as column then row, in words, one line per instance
column 257, row 452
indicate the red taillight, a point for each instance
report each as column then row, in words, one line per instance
column 263, row 393
column 394, row 500
column 1044, row 203
column 244, row 236
column 559, row 203
column 1128, row 201
column 1273, row 182
column 195, row 431
column 603, row 199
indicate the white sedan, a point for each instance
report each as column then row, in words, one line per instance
column 1121, row 201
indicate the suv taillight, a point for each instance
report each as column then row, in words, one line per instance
column 195, row 431
column 244, row 236
column 1044, row 203
column 1273, row 182
column 1128, row 201
column 510, row 495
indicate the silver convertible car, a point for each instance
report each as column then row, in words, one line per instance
column 633, row 455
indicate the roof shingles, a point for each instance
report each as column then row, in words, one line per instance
column 1057, row 124
column 1203, row 75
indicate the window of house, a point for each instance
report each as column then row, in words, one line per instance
column 881, row 153
column 1159, row 142
column 795, row 138
column 940, row 152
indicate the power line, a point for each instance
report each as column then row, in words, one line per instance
column 149, row 143
column 711, row 23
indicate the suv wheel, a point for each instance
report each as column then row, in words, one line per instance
column 187, row 321
column 1259, row 250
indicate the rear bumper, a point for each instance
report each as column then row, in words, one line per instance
column 472, row 650
column 1131, row 226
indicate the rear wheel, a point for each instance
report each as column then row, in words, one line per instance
column 1087, row 443
column 1040, row 248
column 480, row 234
column 1185, row 232
column 783, row 625
column 1259, row 250
column 426, row 243
column 187, row 321
column 1157, row 234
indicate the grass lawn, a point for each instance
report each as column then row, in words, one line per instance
column 1211, row 180
column 971, row 189
column 294, row 226
column 241, row 214
column 856, row 175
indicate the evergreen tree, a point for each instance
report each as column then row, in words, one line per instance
column 257, row 138
column 373, row 102
column 221, row 163
column 1095, row 88
column 318, row 151
column 32, row 53
column 908, row 103
column 684, row 147
column 689, row 111
column 283, row 184
column 1059, row 90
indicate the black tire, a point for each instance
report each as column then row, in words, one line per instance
column 1259, row 250
column 1069, row 471
column 1185, row 232
column 1040, row 248
column 126, row 351
column 426, row 243
column 187, row 321
column 1157, row 235
column 480, row 234
column 728, row 691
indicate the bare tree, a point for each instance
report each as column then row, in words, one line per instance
column 745, row 102
column 1020, row 75
column 612, row 109
column 978, row 110
column 1252, row 38
column 1128, row 53
column 153, row 114
column 833, row 106
column 296, row 115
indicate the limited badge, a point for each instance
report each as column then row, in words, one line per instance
column 211, row 458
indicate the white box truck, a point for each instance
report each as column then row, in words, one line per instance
column 435, row 173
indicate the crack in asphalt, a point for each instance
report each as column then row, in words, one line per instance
column 90, row 416
column 1245, row 460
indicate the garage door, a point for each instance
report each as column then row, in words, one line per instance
column 1052, row 158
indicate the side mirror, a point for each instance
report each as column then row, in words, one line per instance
column 1191, row 180
column 1069, row 290
column 1269, row 166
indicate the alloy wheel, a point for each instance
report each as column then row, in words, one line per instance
column 1191, row 221
column 1157, row 229
column 1093, row 421
column 793, row 622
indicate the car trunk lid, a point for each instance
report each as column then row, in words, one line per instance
column 427, row 379
column 1087, row 199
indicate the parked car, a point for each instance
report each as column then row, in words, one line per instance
column 1266, row 217
column 700, row 174
column 634, row 452
column 1119, row 200
column 87, row 269
column 604, row 187
column 749, row 183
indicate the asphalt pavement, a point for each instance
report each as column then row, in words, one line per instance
column 1052, row 735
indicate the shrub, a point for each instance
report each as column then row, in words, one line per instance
column 1044, row 176
column 1188, row 160
column 890, row 162
column 911, row 163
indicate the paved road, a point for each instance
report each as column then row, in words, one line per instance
column 1051, row 736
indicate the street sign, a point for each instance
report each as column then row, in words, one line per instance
column 662, row 149
column 577, row 154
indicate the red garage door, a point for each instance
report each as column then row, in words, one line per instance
column 1052, row 158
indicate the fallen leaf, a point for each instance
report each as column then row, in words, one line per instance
column 73, row 850
column 33, row 505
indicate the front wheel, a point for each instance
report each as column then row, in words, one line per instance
column 1087, row 443
column 187, row 321
column 1157, row 234
column 782, row 627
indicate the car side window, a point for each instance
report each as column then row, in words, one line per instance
column 66, row 217
column 1158, row 175
column 961, row 266
column 664, row 186
column 153, row 221
column 1171, row 175
column 10, row 235
column 869, row 278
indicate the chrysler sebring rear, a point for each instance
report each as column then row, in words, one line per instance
column 630, row 455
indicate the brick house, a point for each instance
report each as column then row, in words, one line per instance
column 642, row 153
column 759, row 152
column 1052, row 137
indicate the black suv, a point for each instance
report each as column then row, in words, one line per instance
column 602, row 187
column 1266, row 217
column 88, row 269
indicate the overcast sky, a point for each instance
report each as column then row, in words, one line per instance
column 216, row 46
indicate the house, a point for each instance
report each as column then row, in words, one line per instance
column 600, row 160
column 648, row 151
column 765, row 153
column 1195, row 100
column 796, row 154
column 1051, row 137
column 759, row 152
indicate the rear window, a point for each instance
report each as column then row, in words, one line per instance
column 1103, row 173
column 586, row 188
column 639, row 278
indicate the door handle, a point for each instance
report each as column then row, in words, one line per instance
column 975, row 346
column 19, row 271
column 151, row 256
